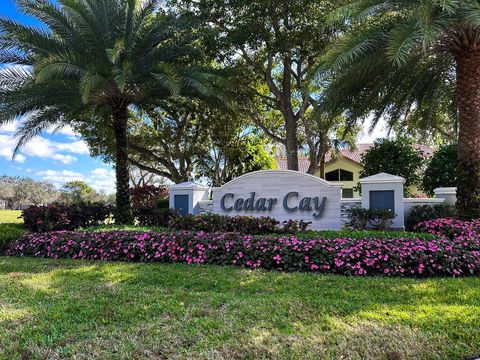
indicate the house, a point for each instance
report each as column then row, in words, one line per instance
column 345, row 167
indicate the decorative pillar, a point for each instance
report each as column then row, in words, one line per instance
column 185, row 197
column 384, row 191
column 447, row 193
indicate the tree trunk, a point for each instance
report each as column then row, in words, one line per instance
column 468, row 96
column 123, row 213
column 291, row 143
column 322, row 167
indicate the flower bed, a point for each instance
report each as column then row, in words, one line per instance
column 451, row 228
column 369, row 256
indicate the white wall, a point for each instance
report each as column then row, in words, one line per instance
column 278, row 183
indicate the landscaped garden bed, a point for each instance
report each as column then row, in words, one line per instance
column 404, row 256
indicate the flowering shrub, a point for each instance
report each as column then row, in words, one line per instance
column 148, row 195
column 368, row 256
column 65, row 217
column 242, row 224
column 451, row 228
column 421, row 213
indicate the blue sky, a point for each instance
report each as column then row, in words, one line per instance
column 55, row 156
column 62, row 156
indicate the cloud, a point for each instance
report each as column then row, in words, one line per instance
column 101, row 179
column 40, row 147
column 65, row 130
column 60, row 177
column 10, row 127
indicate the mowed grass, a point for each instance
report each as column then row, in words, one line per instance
column 10, row 216
column 55, row 309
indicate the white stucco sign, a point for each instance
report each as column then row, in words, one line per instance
column 281, row 194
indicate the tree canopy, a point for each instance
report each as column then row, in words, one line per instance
column 415, row 63
column 396, row 157
column 94, row 61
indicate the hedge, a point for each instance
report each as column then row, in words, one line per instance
column 65, row 217
column 250, row 225
column 369, row 256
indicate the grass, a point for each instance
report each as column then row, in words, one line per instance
column 9, row 233
column 53, row 309
column 10, row 216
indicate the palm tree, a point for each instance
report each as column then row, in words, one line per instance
column 93, row 61
column 415, row 61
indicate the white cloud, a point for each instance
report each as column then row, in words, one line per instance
column 65, row 130
column 10, row 127
column 101, row 179
column 60, row 177
column 40, row 147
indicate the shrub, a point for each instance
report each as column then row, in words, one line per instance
column 368, row 256
column 242, row 224
column 441, row 170
column 153, row 216
column 163, row 204
column 10, row 233
column 364, row 234
column 362, row 219
column 359, row 218
column 65, row 217
column 403, row 160
column 451, row 228
column 148, row 195
column 421, row 213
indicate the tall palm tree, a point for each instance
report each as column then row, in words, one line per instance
column 416, row 61
column 93, row 60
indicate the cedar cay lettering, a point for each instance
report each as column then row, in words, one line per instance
column 291, row 203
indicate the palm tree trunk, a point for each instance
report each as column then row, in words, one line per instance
column 468, row 97
column 124, row 208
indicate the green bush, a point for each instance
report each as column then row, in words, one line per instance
column 250, row 225
column 402, row 160
column 441, row 170
column 422, row 213
column 163, row 203
column 362, row 219
column 154, row 216
column 10, row 233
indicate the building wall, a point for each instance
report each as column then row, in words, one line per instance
column 355, row 168
column 345, row 165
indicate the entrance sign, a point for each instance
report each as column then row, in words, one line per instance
column 283, row 195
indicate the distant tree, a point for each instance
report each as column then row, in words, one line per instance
column 396, row 157
column 18, row 191
column 7, row 188
column 441, row 170
column 78, row 191
column 234, row 154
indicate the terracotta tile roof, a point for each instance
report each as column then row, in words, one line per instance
column 355, row 156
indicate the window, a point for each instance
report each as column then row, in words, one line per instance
column 339, row 175
column 347, row 193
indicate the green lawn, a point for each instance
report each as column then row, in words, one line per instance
column 10, row 216
column 72, row 309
